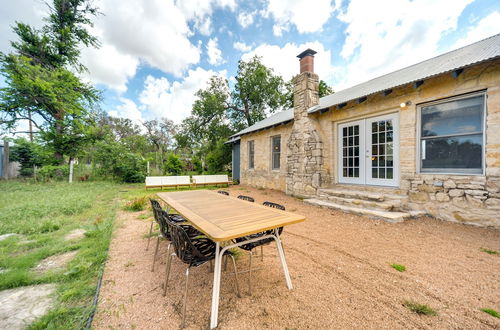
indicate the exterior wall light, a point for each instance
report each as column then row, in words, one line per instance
column 405, row 104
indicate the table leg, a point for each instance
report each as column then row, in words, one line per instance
column 283, row 260
column 216, row 287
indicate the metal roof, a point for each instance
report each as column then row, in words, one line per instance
column 480, row 51
column 278, row 118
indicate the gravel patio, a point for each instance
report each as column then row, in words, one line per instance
column 340, row 268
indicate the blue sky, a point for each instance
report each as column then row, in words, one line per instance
column 156, row 54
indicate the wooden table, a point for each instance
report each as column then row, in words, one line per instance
column 223, row 218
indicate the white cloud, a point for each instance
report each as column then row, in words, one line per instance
column 110, row 67
column 214, row 53
column 485, row 28
column 160, row 98
column 379, row 41
column 26, row 11
column 246, row 18
column 128, row 109
column 306, row 15
column 241, row 46
column 284, row 59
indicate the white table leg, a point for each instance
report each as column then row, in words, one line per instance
column 283, row 260
column 216, row 287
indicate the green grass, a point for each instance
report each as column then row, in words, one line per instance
column 490, row 311
column 137, row 204
column 398, row 267
column 43, row 213
column 489, row 251
column 420, row 309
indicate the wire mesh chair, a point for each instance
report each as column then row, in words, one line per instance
column 223, row 192
column 246, row 198
column 250, row 246
column 194, row 252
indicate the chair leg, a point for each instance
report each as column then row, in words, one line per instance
column 156, row 252
column 185, row 300
column 167, row 275
column 225, row 263
column 236, row 277
column 262, row 253
column 211, row 267
column 149, row 236
column 250, row 276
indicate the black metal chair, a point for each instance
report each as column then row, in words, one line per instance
column 223, row 192
column 246, row 198
column 156, row 207
column 250, row 246
column 194, row 252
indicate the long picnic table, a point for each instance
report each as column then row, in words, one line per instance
column 223, row 218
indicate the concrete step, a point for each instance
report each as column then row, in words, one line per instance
column 389, row 216
column 354, row 193
column 388, row 205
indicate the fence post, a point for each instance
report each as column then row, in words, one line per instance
column 71, row 171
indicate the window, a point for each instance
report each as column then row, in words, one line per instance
column 251, row 154
column 275, row 152
column 452, row 136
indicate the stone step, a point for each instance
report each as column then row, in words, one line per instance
column 368, row 188
column 353, row 193
column 389, row 216
column 391, row 205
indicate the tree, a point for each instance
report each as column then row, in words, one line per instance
column 324, row 89
column 173, row 164
column 160, row 133
column 41, row 84
column 257, row 91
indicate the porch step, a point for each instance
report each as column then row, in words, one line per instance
column 389, row 216
column 356, row 193
column 386, row 205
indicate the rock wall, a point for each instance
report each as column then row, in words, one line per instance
column 305, row 173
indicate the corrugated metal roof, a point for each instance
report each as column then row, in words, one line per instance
column 275, row 119
column 480, row 51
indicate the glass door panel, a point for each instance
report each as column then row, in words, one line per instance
column 351, row 152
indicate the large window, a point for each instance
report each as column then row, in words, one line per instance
column 251, row 154
column 452, row 136
column 275, row 152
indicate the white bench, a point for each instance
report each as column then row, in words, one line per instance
column 203, row 180
column 167, row 181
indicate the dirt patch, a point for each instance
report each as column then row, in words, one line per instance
column 55, row 262
column 75, row 234
column 341, row 273
column 21, row 306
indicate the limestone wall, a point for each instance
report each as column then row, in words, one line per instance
column 262, row 175
column 468, row 199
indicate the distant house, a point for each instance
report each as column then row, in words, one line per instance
column 423, row 139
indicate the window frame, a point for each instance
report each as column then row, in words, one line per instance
column 451, row 171
column 273, row 168
column 251, row 154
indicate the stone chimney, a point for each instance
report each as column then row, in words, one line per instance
column 305, row 172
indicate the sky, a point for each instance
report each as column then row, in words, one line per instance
column 155, row 54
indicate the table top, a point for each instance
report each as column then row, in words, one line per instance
column 223, row 217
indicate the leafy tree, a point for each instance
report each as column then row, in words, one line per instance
column 197, row 165
column 324, row 89
column 218, row 158
column 160, row 133
column 30, row 154
column 173, row 164
column 41, row 84
column 257, row 91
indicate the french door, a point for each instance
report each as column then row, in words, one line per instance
column 369, row 151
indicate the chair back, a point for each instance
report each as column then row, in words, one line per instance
column 246, row 198
column 274, row 205
column 164, row 222
column 186, row 250
column 223, row 192
column 155, row 205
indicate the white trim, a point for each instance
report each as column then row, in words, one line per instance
column 450, row 171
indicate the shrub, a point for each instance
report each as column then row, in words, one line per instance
column 218, row 158
column 419, row 308
column 398, row 267
column 197, row 165
column 173, row 165
column 50, row 172
column 137, row 204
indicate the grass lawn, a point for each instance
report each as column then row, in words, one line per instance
column 43, row 214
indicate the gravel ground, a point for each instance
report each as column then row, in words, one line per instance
column 340, row 268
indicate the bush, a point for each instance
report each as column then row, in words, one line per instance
column 173, row 165
column 30, row 154
column 50, row 172
column 197, row 165
column 137, row 204
column 218, row 158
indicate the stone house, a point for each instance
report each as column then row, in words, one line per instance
column 423, row 139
